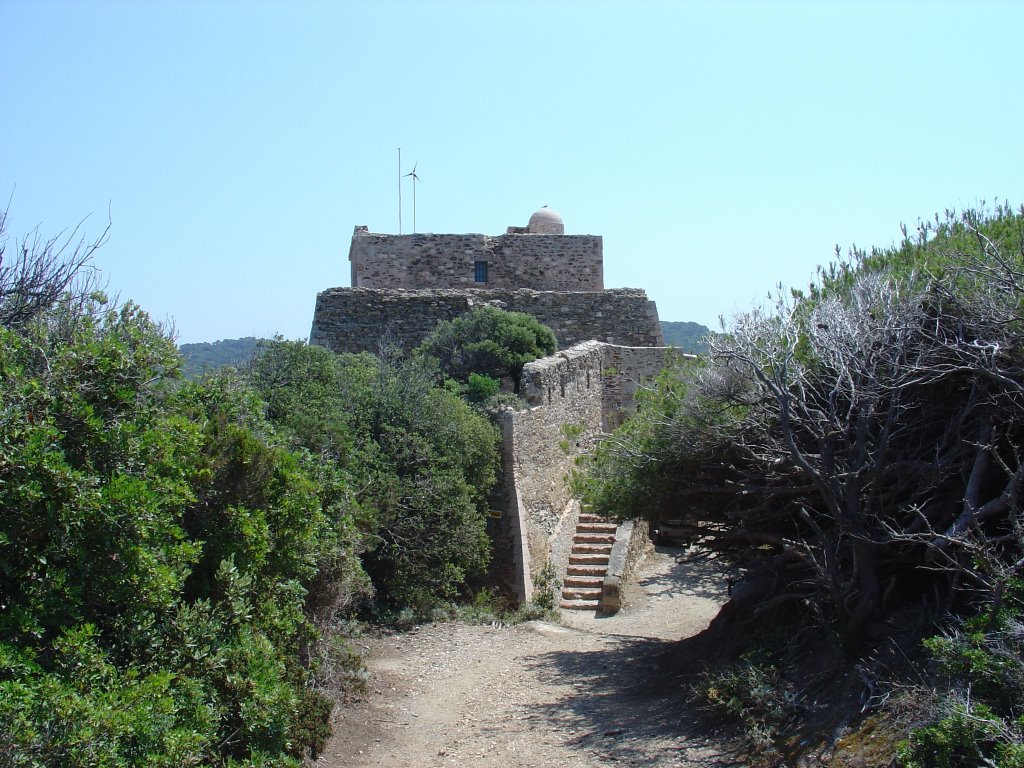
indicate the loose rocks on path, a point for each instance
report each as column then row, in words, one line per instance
column 580, row 693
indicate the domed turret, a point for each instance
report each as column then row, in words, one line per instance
column 546, row 222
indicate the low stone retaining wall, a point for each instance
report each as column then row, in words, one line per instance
column 632, row 543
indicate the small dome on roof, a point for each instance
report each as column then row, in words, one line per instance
column 546, row 222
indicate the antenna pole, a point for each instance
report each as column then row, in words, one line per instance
column 415, row 179
column 400, row 190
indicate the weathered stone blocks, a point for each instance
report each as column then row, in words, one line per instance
column 543, row 262
column 356, row 319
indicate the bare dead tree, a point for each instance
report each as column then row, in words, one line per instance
column 849, row 445
column 43, row 271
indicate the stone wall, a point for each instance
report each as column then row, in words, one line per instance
column 563, row 422
column 572, row 397
column 626, row 370
column 632, row 544
column 356, row 319
column 535, row 261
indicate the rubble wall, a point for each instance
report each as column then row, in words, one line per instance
column 356, row 319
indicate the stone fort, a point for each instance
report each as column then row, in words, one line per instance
column 402, row 285
column 610, row 342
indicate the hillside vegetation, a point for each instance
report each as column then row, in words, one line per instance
column 689, row 337
column 204, row 357
column 854, row 454
column 175, row 555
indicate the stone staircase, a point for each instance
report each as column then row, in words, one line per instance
column 588, row 563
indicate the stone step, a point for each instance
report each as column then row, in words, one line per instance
column 580, row 605
column 588, row 558
column 596, row 528
column 587, row 570
column 579, row 549
column 581, row 593
column 586, row 517
column 588, row 563
column 595, row 581
column 594, row 538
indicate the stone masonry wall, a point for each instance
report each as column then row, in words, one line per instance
column 355, row 319
column 626, row 370
column 563, row 422
column 538, row 262
column 572, row 397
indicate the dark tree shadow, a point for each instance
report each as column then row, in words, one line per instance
column 688, row 576
column 629, row 704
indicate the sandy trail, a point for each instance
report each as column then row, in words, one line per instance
column 539, row 694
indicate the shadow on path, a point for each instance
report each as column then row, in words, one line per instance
column 688, row 576
column 620, row 706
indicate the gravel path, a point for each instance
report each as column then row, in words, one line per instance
column 539, row 694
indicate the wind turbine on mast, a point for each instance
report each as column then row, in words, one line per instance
column 415, row 179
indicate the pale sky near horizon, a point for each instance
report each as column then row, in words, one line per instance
column 719, row 147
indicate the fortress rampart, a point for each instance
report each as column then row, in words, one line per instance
column 356, row 319
column 575, row 397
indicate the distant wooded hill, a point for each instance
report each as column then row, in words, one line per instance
column 686, row 336
column 205, row 356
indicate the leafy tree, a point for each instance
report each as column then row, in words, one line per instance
column 489, row 341
column 421, row 459
column 158, row 545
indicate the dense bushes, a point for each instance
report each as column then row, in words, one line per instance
column 174, row 554
column 419, row 460
column 855, row 449
column 977, row 699
column 157, row 545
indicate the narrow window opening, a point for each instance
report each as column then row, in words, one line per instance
column 480, row 271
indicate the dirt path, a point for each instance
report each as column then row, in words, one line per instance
column 539, row 694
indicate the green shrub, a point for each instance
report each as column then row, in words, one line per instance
column 480, row 387
column 546, row 586
column 981, row 670
column 752, row 692
column 157, row 542
column 87, row 711
column 491, row 341
column 421, row 458
column 971, row 735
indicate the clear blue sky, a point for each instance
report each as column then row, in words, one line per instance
column 720, row 148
